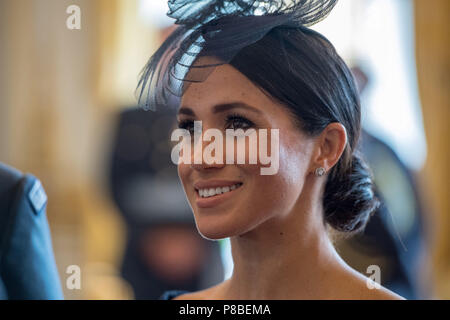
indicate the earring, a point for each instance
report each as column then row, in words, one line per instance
column 320, row 172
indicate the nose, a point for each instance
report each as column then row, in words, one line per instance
column 206, row 155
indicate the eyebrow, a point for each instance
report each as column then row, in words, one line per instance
column 220, row 108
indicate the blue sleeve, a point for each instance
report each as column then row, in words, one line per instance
column 28, row 268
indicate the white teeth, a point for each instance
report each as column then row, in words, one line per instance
column 205, row 193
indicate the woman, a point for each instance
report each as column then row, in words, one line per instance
column 260, row 67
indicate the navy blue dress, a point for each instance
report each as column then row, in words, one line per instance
column 171, row 294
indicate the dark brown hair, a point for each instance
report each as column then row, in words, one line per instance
column 301, row 69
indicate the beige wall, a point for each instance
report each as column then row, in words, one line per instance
column 59, row 92
column 433, row 65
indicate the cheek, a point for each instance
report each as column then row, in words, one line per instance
column 293, row 166
column 183, row 174
column 277, row 194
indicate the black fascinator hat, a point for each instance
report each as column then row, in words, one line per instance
column 219, row 29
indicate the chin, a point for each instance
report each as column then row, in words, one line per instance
column 212, row 229
column 214, row 233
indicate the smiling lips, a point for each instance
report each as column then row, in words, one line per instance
column 206, row 193
column 211, row 193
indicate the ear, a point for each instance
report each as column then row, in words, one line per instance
column 329, row 146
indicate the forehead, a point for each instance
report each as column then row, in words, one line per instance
column 224, row 84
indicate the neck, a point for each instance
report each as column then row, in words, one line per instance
column 283, row 257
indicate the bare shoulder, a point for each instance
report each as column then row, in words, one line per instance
column 359, row 287
column 381, row 293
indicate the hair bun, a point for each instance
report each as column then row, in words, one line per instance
column 349, row 198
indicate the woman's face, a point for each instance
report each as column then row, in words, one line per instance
column 248, row 198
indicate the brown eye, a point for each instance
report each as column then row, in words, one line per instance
column 235, row 121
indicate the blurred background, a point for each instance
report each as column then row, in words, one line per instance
column 68, row 115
